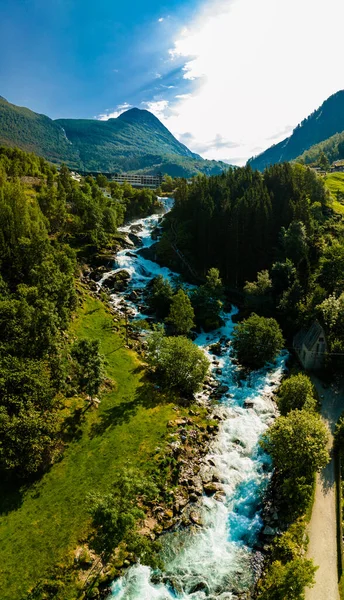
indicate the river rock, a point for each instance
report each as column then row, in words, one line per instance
column 98, row 273
column 117, row 281
column 135, row 239
column 211, row 488
column 195, row 517
column 269, row 531
column 248, row 404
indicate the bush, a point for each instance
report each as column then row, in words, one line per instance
column 296, row 392
column 256, row 341
column 287, row 581
column 297, row 443
column 178, row 363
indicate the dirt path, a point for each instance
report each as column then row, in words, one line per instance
column 322, row 529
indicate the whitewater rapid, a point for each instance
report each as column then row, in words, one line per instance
column 215, row 560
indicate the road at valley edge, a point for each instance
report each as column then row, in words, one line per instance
column 322, row 529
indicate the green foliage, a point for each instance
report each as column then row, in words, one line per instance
column 332, row 148
column 207, row 301
column 339, row 433
column 181, row 316
column 39, row 212
column 233, row 221
column 89, row 365
column 178, row 363
column 256, row 341
column 116, row 514
column 159, row 294
column 297, row 443
column 287, row 581
column 296, row 392
column 42, row 524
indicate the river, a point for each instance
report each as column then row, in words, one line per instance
column 215, row 560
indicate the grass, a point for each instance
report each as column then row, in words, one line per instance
column 46, row 521
column 335, row 183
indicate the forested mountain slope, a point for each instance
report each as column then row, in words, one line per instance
column 323, row 123
column 135, row 141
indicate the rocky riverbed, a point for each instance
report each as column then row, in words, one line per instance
column 211, row 526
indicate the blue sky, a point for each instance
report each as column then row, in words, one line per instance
column 76, row 58
column 227, row 77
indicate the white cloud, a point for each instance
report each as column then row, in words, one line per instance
column 255, row 68
column 161, row 20
column 121, row 108
column 158, row 108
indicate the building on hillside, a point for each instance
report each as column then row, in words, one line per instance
column 139, row 181
column 310, row 346
column 337, row 167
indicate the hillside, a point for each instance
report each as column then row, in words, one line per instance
column 36, row 133
column 135, row 141
column 333, row 148
column 323, row 123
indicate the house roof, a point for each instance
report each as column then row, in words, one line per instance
column 310, row 337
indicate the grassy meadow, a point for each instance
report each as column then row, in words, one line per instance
column 41, row 525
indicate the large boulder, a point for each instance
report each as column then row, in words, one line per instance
column 117, row 281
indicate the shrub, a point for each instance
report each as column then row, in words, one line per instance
column 257, row 340
column 296, row 392
column 178, row 363
column 297, row 443
column 287, row 581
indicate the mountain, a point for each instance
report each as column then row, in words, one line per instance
column 134, row 141
column 323, row 123
column 333, row 148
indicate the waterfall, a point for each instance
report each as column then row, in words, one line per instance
column 214, row 560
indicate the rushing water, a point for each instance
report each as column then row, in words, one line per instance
column 213, row 561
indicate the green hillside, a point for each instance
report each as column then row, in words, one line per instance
column 333, row 148
column 36, row 133
column 323, row 123
column 335, row 184
column 135, row 141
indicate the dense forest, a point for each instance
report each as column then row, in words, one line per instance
column 332, row 148
column 49, row 223
column 274, row 238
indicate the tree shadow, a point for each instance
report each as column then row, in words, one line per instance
column 11, row 494
column 73, row 425
column 147, row 396
column 327, row 476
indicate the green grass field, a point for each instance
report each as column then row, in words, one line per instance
column 335, row 183
column 44, row 523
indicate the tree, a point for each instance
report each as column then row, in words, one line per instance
column 296, row 392
column 181, row 315
column 297, row 443
column 178, row 363
column 89, row 365
column 256, row 341
column 323, row 162
column 159, row 296
column 287, row 581
column 258, row 293
column 294, row 242
column 207, row 301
